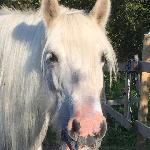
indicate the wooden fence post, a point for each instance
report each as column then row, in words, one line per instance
column 103, row 94
column 144, row 92
column 127, row 96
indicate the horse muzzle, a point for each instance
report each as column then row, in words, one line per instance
column 74, row 141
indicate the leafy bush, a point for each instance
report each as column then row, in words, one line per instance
column 128, row 24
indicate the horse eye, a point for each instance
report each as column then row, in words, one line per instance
column 51, row 58
column 103, row 59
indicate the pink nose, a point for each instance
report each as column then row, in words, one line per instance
column 87, row 122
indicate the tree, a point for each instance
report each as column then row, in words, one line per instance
column 129, row 22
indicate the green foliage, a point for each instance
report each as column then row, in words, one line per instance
column 128, row 24
column 129, row 21
column 118, row 86
column 79, row 4
column 21, row 4
column 117, row 137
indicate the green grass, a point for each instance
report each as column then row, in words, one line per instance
column 117, row 137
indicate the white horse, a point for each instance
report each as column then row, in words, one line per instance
column 51, row 73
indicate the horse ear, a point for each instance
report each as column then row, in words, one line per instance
column 101, row 12
column 50, row 10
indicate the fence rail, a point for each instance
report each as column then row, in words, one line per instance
column 137, row 126
column 145, row 66
column 143, row 129
column 143, row 69
column 117, row 116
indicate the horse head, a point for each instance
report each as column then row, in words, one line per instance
column 72, row 68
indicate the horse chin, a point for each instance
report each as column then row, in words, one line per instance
column 89, row 143
column 64, row 147
column 80, row 143
column 85, row 147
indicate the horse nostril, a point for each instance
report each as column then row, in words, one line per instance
column 75, row 126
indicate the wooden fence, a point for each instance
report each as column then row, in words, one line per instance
column 140, row 125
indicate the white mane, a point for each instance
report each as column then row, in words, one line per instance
column 22, row 37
